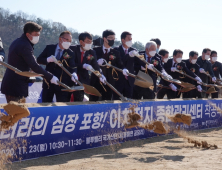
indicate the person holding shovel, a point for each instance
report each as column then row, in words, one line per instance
column 205, row 66
column 112, row 56
column 217, row 69
column 85, row 58
column 15, row 86
column 194, row 67
column 66, row 57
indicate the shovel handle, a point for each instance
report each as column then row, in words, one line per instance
column 108, row 84
column 67, row 71
column 186, row 75
column 129, row 74
column 10, row 67
column 63, row 85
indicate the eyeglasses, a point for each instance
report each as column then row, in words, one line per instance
column 66, row 39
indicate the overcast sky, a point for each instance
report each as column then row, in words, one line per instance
column 180, row 24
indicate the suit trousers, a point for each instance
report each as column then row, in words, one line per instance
column 146, row 93
column 124, row 88
column 161, row 92
column 48, row 93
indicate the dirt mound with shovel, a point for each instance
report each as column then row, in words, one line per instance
column 15, row 111
column 181, row 118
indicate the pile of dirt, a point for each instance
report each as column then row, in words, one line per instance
column 157, row 127
column 180, row 118
column 15, row 111
column 196, row 143
column 132, row 118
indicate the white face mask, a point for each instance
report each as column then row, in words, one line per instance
column 35, row 39
column 178, row 60
column 129, row 44
column 194, row 61
column 66, row 45
column 87, row 47
column 207, row 57
column 214, row 59
column 165, row 60
column 152, row 53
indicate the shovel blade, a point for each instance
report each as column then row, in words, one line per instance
column 143, row 80
column 186, row 89
column 186, row 85
column 91, row 90
column 211, row 90
column 28, row 74
column 74, row 88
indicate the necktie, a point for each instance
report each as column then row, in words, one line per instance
column 126, row 52
column 82, row 55
column 58, row 54
column 149, row 58
column 174, row 65
column 106, row 51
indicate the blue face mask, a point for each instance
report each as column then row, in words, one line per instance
column 157, row 50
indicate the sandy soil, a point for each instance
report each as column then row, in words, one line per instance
column 163, row 152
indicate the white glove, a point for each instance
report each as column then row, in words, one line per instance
column 125, row 72
column 74, row 77
column 87, row 66
column 199, row 81
column 54, row 80
column 214, row 79
column 173, row 69
column 102, row 79
column 142, row 68
column 133, row 53
column 100, row 61
column 1, row 58
column 166, row 75
column 199, row 88
column 174, row 88
column 201, row 70
column 169, row 76
column 150, row 66
column 50, row 59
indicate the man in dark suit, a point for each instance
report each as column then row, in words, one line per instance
column 194, row 67
column 2, row 52
column 14, row 86
column 113, row 57
column 217, row 69
column 177, row 64
column 125, row 84
column 205, row 65
column 151, row 57
column 84, row 56
column 65, row 55
column 161, row 92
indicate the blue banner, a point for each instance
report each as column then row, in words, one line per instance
column 59, row 129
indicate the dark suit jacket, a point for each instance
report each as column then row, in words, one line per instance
column 217, row 69
column 206, row 65
column 107, row 71
column 2, row 52
column 83, row 74
column 180, row 66
column 21, row 56
column 193, row 68
column 157, row 64
column 128, row 63
column 54, row 68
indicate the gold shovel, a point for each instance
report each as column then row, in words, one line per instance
column 87, row 88
column 180, row 83
column 22, row 73
column 141, row 79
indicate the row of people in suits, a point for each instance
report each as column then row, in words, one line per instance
column 80, row 59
